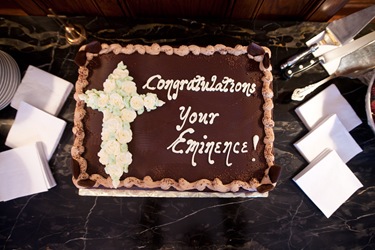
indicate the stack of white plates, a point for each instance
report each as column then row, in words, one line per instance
column 10, row 78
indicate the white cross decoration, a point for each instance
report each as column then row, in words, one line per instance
column 120, row 104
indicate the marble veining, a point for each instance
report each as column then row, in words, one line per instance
column 286, row 219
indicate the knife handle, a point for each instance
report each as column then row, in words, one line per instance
column 298, row 68
column 294, row 59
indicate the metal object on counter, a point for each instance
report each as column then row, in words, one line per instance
column 336, row 34
column 300, row 93
column 352, row 65
column 332, row 59
column 298, row 68
column 74, row 34
column 298, row 57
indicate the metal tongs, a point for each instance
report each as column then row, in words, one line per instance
column 337, row 34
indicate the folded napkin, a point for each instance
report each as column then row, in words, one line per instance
column 328, row 182
column 328, row 102
column 33, row 125
column 24, row 171
column 42, row 90
column 332, row 134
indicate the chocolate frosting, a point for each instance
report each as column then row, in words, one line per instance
column 154, row 166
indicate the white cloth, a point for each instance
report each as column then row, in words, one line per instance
column 33, row 125
column 42, row 90
column 328, row 182
column 326, row 103
column 332, row 134
column 24, row 171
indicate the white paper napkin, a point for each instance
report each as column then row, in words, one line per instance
column 24, row 171
column 42, row 90
column 332, row 134
column 47, row 174
column 328, row 102
column 328, row 182
column 33, row 125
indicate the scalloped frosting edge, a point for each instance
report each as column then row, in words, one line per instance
column 84, row 180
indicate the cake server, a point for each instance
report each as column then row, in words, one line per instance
column 337, row 33
column 331, row 59
column 354, row 65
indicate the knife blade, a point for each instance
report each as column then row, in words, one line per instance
column 353, row 65
column 337, row 33
column 346, row 28
column 331, row 59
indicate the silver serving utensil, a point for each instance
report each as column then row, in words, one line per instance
column 337, row 33
column 353, row 65
column 332, row 59
column 300, row 93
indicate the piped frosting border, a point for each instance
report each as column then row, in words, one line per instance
column 255, row 52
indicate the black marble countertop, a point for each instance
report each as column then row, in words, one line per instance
column 287, row 219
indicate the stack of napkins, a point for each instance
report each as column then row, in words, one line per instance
column 332, row 134
column 32, row 125
column 34, row 136
column 327, row 181
column 42, row 90
column 326, row 103
column 328, row 146
column 24, row 171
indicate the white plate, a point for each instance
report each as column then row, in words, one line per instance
column 6, row 87
column 9, row 80
column 4, row 72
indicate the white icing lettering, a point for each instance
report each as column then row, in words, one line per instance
column 209, row 148
column 255, row 141
column 231, row 90
column 183, row 117
column 235, row 150
column 176, row 86
column 253, row 87
column 244, row 148
column 212, row 117
column 168, row 86
column 184, row 145
column 198, row 83
column 225, row 86
column 202, row 118
column 179, row 140
column 192, row 148
column 195, row 117
column 161, row 84
column 227, row 149
column 147, row 85
column 217, row 148
column 238, row 87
